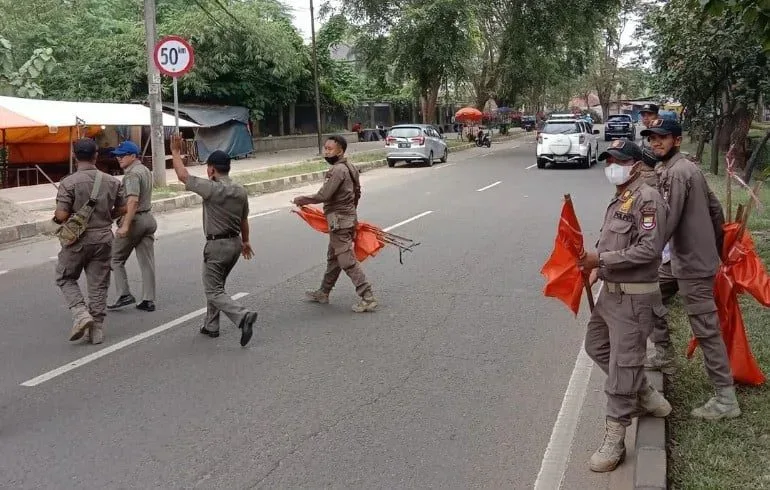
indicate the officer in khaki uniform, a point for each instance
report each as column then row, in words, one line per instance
column 93, row 250
column 627, row 260
column 695, row 242
column 340, row 194
column 136, row 229
column 226, row 226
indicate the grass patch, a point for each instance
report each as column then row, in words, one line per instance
column 164, row 192
column 732, row 454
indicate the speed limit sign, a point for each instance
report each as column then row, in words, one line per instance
column 173, row 56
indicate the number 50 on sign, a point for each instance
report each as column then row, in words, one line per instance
column 174, row 57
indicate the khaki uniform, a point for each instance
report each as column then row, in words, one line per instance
column 340, row 194
column 695, row 259
column 629, row 248
column 137, row 181
column 225, row 206
column 93, row 251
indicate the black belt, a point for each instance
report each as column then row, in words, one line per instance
column 222, row 236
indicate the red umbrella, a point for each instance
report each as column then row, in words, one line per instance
column 468, row 114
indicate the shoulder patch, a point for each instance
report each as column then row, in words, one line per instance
column 626, row 194
column 648, row 220
column 627, row 203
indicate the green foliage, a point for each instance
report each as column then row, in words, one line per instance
column 755, row 13
column 21, row 82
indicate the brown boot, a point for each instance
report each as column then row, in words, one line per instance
column 653, row 402
column 96, row 334
column 722, row 406
column 661, row 360
column 367, row 303
column 318, row 296
column 612, row 451
column 82, row 321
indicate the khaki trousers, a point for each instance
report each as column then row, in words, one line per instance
column 141, row 238
column 219, row 258
column 94, row 259
column 341, row 256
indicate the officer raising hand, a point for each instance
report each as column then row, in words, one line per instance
column 627, row 259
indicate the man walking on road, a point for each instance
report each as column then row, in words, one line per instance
column 226, row 226
column 340, row 194
column 627, row 259
column 136, row 229
column 87, row 202
column 694, row 230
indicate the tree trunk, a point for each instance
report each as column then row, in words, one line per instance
column 701, row 146
column 755, row 158
column 281, row 127
column 428, row 100
column 715, row 149
column 738, row 137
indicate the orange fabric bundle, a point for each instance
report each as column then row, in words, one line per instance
column 742, row 271
column 564, row 279
column 367, row 241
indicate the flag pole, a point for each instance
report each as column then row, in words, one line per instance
column 586, row 279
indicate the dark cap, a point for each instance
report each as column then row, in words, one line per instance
column 649, row 108
column 85, row 148
column 127, row 147
column 219, row 160
column 623, row 150
column 663, row 127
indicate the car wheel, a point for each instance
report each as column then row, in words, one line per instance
column 391, row 162
column 446, row 155
column 540, row 163
column 429, row 162
column 586, row 162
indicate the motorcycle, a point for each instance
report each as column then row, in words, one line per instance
column 483, row 139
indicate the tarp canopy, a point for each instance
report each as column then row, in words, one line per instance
column 222, row 128
column 55, row 114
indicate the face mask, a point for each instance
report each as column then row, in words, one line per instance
column 618, row 174
column 332, row 160
column 673, row 151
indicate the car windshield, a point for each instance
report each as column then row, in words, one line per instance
column 405, row 132
column 561, row 128
column 618, row 118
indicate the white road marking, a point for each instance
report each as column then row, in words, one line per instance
column 402, row 223
column 515, row 146
column 266, row 213
column 445, row 165
column 116, row 347
column 37, row 200
column 3, row 272
column 557, row 453
column 531, row 166
column 486, row 154
column 489, row 186
column 53, row 258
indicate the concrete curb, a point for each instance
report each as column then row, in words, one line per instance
column 15, row 233
column 650, row 472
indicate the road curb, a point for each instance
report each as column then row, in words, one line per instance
column 650, row 472
column 15, row 233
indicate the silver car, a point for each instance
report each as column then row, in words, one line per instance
column 410, row 142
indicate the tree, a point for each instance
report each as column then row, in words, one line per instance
column 21, row 82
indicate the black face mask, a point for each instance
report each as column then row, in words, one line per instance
column 649, row 158
column 668, row 156
column 332, row 160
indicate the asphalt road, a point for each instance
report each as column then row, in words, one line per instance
column 455, row 382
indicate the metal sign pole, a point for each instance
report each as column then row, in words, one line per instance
column 176, row 105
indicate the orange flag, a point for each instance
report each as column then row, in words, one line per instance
column 367, row 241
column 741, row 271
column 564, row 279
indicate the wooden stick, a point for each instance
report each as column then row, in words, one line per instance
column 729, row 194
column 586, row 278
column 749, row 208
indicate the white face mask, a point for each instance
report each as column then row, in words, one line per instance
column 618, row 174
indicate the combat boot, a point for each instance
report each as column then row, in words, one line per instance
column 367, row 303
column 318, row 296
column 95, row 334
column 661, row 360
column 612, row 451
column 82, row 321
column 722, row 406
column 653, row 402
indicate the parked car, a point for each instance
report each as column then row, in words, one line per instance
column 567, row 141
column 528, row 123
column 411, row 142
column 619, row 126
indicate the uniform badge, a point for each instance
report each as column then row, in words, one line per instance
column 626, row 194
column 648, row 221
column 627, row 203
column 617, row 144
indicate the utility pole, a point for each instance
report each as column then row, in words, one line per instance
column 315, row 80
column 156, row 108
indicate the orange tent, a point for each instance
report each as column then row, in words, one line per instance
column 564, row 279
column 742, row 271
column 469, row 114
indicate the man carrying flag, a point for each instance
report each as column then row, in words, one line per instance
column 627, row 259
column 340, row 194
